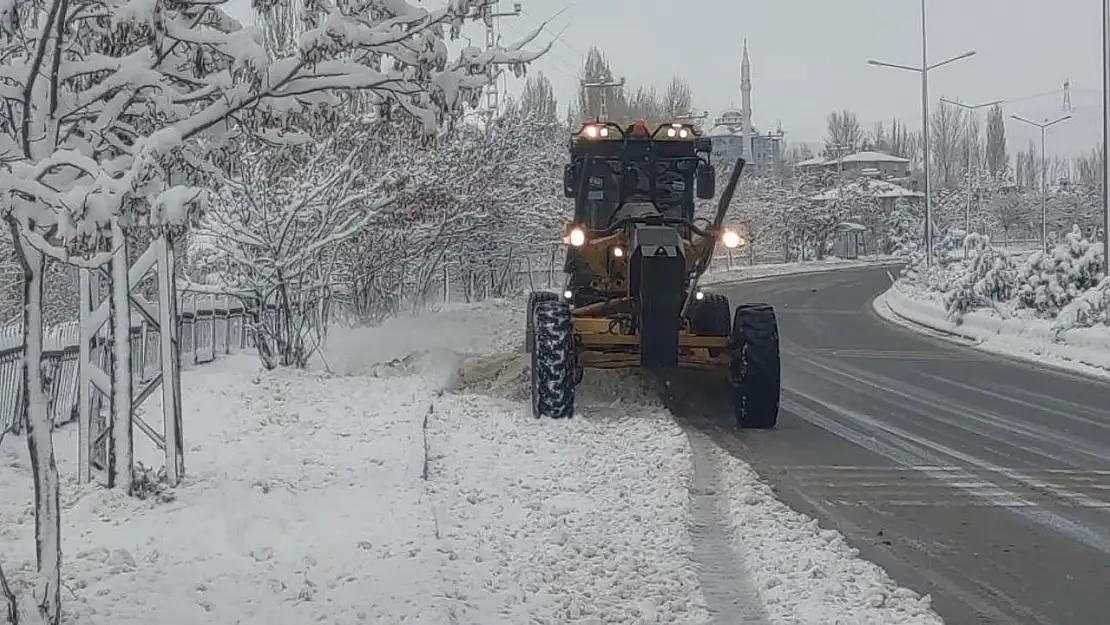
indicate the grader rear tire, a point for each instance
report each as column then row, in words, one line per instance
column 711, row 316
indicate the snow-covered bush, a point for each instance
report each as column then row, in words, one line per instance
column 1090, row 308
column 987, row 278
column 1050, row 281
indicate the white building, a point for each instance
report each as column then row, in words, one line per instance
column 871, row 164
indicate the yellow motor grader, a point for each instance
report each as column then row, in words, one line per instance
column 634, row 255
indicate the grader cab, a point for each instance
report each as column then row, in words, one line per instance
column 635, row 254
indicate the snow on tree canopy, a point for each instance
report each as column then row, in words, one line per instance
column 127, row 124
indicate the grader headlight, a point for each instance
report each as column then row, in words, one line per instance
column 731, row 239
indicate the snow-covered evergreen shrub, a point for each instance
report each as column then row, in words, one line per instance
column 947, row 263
column 1050, row 281
column 988, row 277
column 1090, row 308
column 903, row 229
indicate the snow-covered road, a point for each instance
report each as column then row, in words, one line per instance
column 411, row 485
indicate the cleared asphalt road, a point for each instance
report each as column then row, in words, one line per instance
column 981, row 481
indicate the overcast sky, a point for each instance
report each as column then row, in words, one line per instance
column 809, row 56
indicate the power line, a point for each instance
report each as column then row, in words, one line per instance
column 558, row 36
column 568, row 68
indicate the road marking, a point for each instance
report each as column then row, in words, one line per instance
column 920, row 486
column 858, row 468
column 910, row 450
column 876, row 354
column 1050, row 443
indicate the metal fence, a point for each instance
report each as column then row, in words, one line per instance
column 208, row 325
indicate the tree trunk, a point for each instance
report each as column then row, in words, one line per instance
column 40, row 437
column 11, row 602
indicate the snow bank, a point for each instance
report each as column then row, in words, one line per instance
column 806, row 574
column 1016, row 335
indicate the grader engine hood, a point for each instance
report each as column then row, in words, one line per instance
column 657, row 276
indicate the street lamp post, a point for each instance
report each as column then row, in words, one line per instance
column 1106, row 134
column 970, row 111
column 924, row 71
column 1044, row 174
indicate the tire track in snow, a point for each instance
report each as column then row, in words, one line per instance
column 729, row 593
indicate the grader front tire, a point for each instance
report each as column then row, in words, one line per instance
column 755, row 371
column 553, row 360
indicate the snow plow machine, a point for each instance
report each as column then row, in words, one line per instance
column 635, row 253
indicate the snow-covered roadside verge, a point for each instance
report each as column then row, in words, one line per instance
column 750, row 272
column 410, row 485
column 1083, row 350
column 303, row 503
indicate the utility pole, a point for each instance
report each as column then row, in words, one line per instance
column 603, row 85
column 970, row 112
column 1044, row 174
column 924, row 71
column 489, row 16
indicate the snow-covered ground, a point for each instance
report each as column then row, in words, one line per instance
column 410, row 484
column 1006, row 331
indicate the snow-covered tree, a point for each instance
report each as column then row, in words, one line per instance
column 843, row 134
column 815, row 215
column 538, row 98
column 677, row 99
column 903, row 232
column 513, row 171
column 114, row 113
column 278, row 226
column 997, row 154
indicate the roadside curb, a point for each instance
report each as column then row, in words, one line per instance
column 1033, row 345
column 902, row 313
